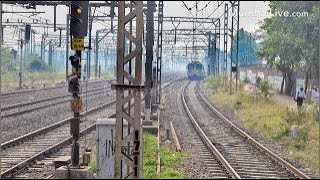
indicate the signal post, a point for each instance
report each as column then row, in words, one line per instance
column 78, row 30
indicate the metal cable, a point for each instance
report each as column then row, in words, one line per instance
column 205, row 6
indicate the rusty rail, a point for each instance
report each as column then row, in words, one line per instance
column 175, row 137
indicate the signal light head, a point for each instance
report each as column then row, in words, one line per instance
column 79, row 18
column 74, row 60
column 79, row 10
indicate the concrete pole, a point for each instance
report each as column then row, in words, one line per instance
column 237, row 54
column 34, row 42
column 149, row 58
column 41, row 48
column 0, row 82
column 44, row 47
column 89, row 50
column 2, row 40
column 106, row 60
column 96, row 53
column 209, row 54
column 318, row 89
column 50, row 54
column 20, row 72
column 30, row 44
column 67, row 47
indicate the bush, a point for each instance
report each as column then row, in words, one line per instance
column 213, row 83
column 283, row 131
column 264, row 88
column 295, row 116
column 246, row 80
column 238, row 104
column 35, row 63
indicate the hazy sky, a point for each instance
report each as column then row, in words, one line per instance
column 177, row 8
column 171, row 8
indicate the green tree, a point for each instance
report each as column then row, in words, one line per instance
column 8, row 62
column 290, row 44
column 247, row 47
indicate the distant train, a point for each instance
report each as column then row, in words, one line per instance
column 195, row 70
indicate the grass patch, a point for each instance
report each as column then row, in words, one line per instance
column 170, row 164
column 150, row 152
column 170, row 160
column 31, row 79
column 154, row 122
column 40, row 79
column 93, row 160
column 273, row 121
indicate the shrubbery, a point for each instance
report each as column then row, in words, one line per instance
column 264, row 88
column 37, row 65
column 35, row 72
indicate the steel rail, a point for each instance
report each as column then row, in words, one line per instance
column 175, row 137
column 46, row 151
column 282, row 162
column 50, row 127
column 206, row 140
column 43, row 100
column 42, row 89
column 56, row 146
column 40, row 107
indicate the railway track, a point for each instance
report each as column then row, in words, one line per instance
column 24, row 150
column 34, row 94
column 21, row 151
column 227, row 150
column 25, row 107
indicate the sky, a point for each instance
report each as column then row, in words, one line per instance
column 171, row 8
column 177, row 8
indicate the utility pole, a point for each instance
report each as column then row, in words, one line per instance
column 106, row 59
column 319, row 87
column 99, row 70
column 96, row 53
column 89, row 50
column 249, row 48
column 209, row 55
column 0, row 84
column 20, row 72
column 50, row 53
column 41, row 47
column 67, row 46
column 237, row 45
column 132, row 158
column 30, row 44
column 234, row 42
column 34, row 42
column 225, row 44
column 149, row 58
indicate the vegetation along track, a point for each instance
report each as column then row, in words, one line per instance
column 24, row 150
column 240, row 155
